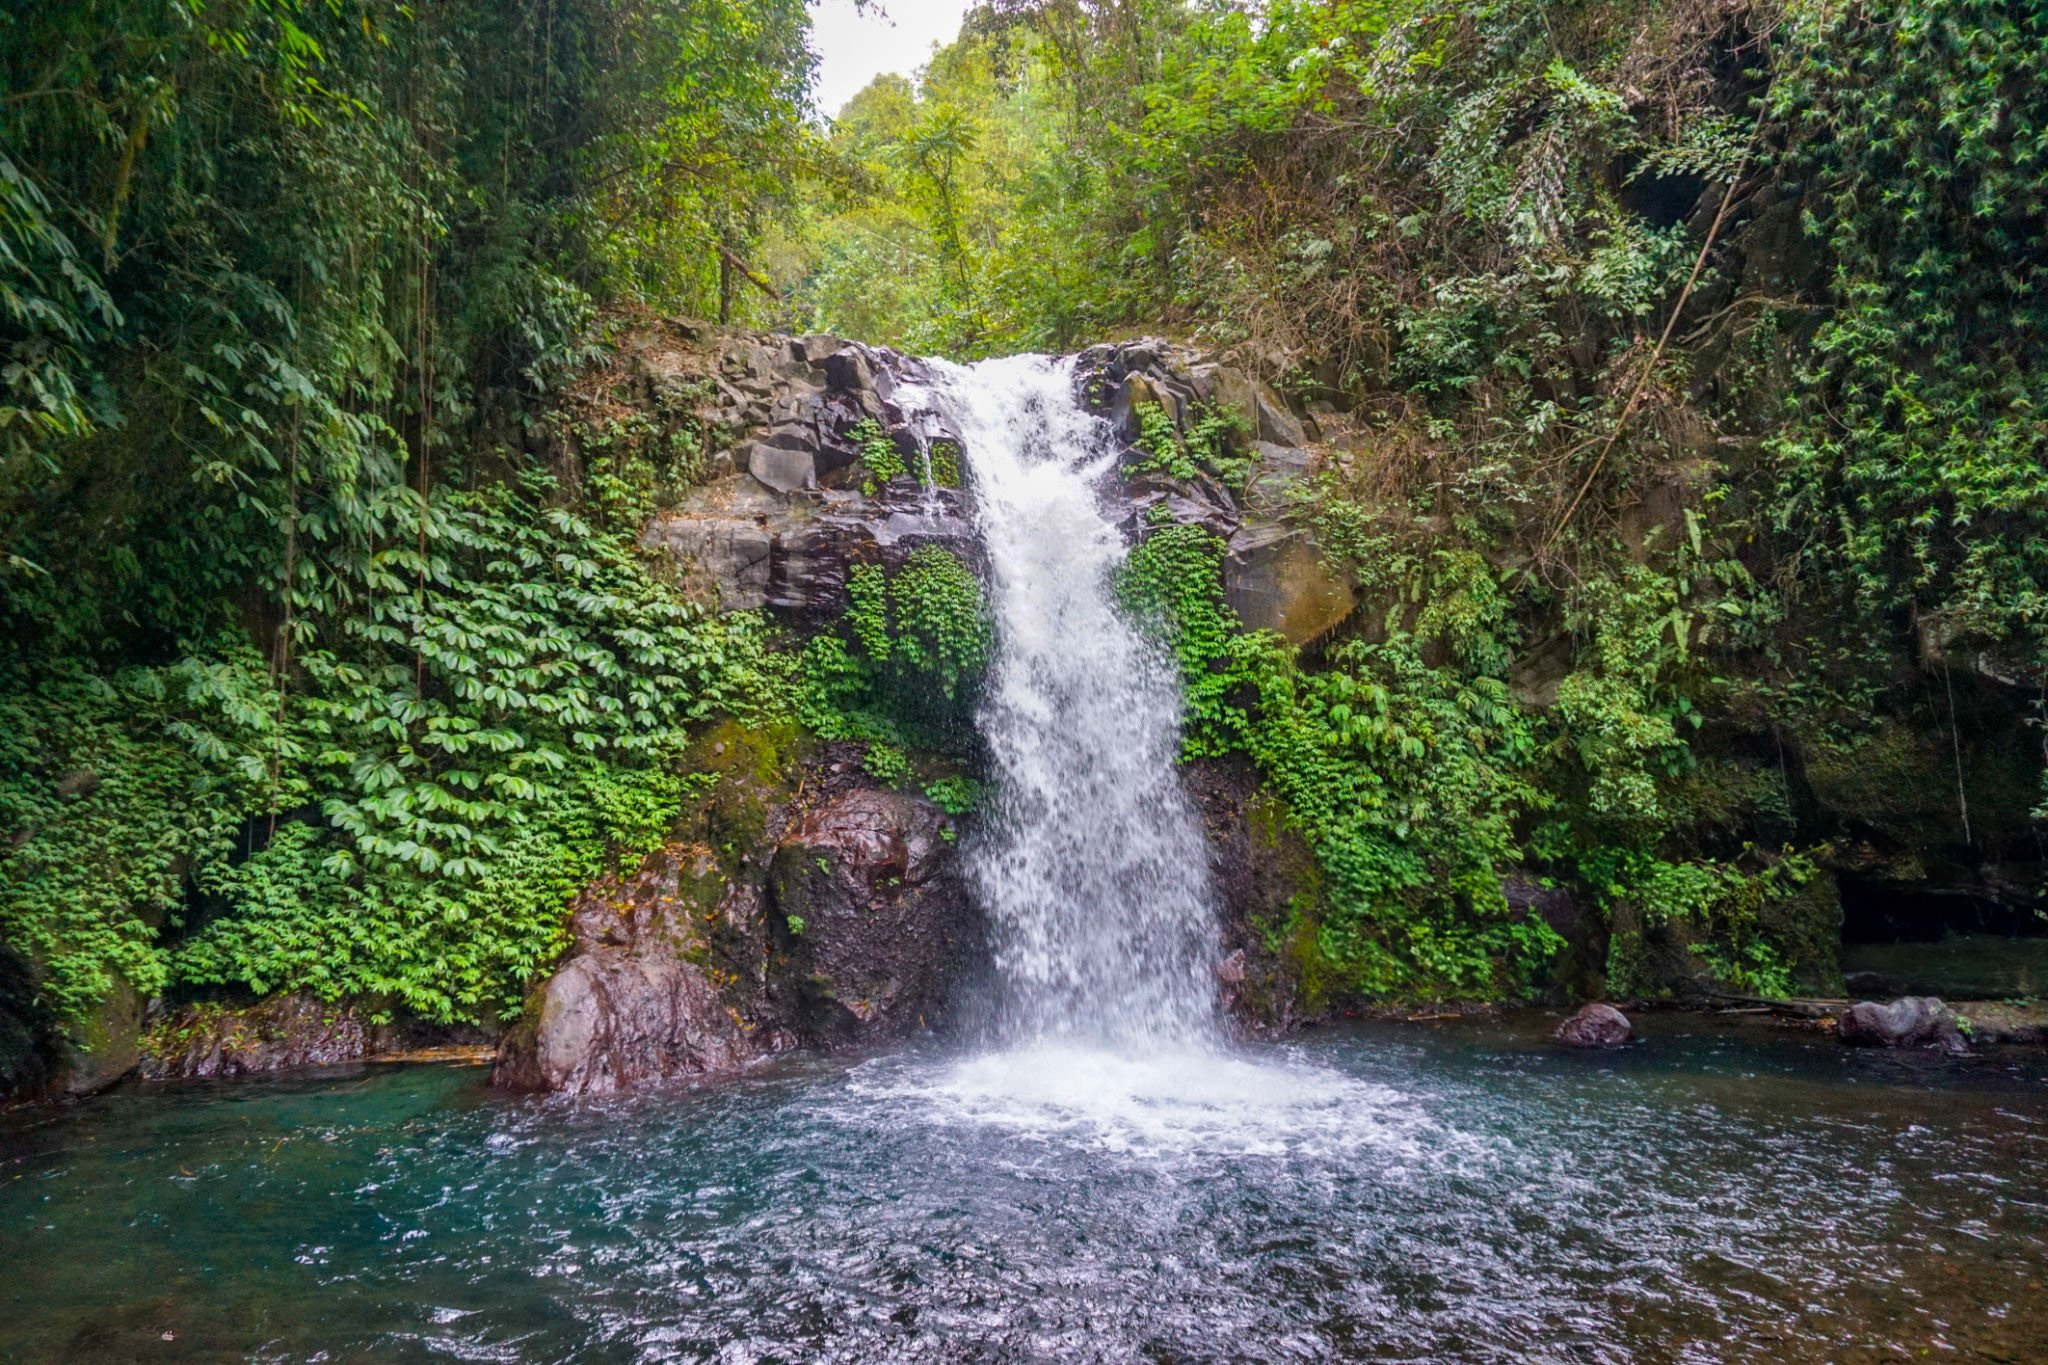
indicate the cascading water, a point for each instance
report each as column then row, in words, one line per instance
column 1091, row 866
column 1093, row 870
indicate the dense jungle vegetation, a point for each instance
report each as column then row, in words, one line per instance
column 1697, row 350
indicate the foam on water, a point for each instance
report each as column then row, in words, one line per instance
column 1196, row 1102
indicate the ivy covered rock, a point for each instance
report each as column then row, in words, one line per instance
column 795, row 903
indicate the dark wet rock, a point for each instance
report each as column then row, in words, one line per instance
column 1188, row 502
column 1557, row 906
column 1595, row 1025
column 282, row 1032
column 811, row 559
column 784, row 513
column 871, row 914
column 1230, row 976
column 26, row 1050
column 1265, row 879
column 613, row 1021
column 1910, row 1021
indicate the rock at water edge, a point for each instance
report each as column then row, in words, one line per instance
column 1911, row 1021
column 1595, row 1025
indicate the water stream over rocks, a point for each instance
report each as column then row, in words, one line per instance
column 1094, row 871
column 1108, row 1177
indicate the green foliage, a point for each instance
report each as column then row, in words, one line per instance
column 955, row 795
column 503, row 718
column 1209, row 444
column 1917, row 445
column 879, row 458
column 886, row 763
column 1159, row 439
column 944, row 458
column 1722, row 902
column 881, row 461
column 1405, row 778
column 109, row 818
column 907, row 664
column 266, row 267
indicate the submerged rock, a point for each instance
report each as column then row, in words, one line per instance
column 1911, row 1021
column 1595, row 1025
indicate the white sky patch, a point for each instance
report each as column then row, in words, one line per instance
column 854, row 47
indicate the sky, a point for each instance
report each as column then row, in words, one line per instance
column 854, row 47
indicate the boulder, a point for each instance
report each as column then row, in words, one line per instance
column 780, row 468
column 794, row 904
column 871, row 915
column 1275, row 423
column 633, row 1004
column 1910, row 1021
column 609, row 1021
column 1274, row 578
column 1595, row 1025
column 1264, row 414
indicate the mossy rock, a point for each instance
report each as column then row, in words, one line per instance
column 758, row 768
column 106, row 1045
column 1806, row 930
column 1892, row 779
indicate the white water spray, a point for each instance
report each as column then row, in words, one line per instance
column 1094, row 871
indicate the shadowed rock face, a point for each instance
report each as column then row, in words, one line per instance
column 272, row 1035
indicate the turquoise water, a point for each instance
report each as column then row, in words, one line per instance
column 1460, row 1191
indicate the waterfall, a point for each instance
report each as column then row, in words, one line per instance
column 1092, row 868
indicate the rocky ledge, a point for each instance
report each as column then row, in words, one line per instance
column 792, row 495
